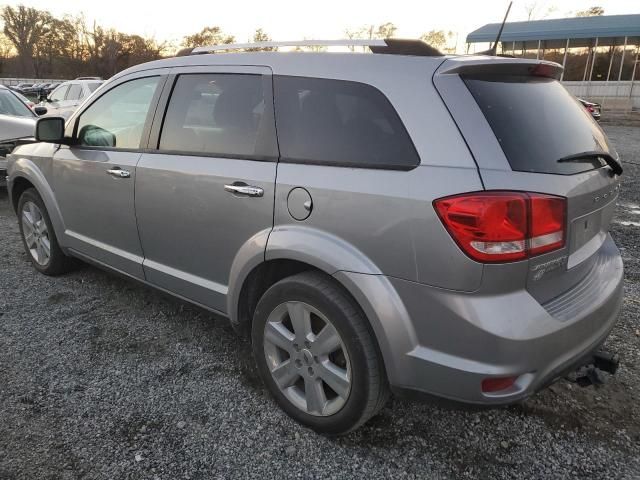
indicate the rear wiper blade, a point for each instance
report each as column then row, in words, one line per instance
column 607, row 157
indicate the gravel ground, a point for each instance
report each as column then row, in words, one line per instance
column 101, row 377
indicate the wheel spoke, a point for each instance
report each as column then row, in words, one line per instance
column 277, row 334
column 285, row 374
column 27, row 221
column 314, row 394
column 46, row 247
column 327, row 341
column 300, row 319
column 335, row 377
column 39, row 253
column 40, row 226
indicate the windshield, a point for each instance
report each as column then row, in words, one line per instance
column 11, row 105
column 538, row 122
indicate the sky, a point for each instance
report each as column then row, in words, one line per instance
column 295, row 20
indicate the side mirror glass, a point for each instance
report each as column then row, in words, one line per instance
column 40, row 110
column 50, row 130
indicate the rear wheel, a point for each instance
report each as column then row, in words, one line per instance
column 316, row 354
column 38, row 237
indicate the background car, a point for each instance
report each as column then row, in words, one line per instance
column 17, row 121
column 21, row 86
column 64, row 100
column 594, row 109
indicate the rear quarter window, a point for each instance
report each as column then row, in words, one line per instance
column 340, row 123
column 537, row 122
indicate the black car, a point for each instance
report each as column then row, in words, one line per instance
column 593, row 108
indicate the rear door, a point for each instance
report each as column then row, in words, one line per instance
column 205, row 187
column 527, row 132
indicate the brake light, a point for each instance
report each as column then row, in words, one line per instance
column 496, row 227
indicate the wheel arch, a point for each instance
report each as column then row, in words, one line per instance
column 289, row 251
column 25, row 174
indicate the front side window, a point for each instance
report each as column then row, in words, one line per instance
column 117, row 118
column 59, row 93
column 340, row 123
column 219, row 114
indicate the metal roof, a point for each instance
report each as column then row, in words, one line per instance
column 615, row 27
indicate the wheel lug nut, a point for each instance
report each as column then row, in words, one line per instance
column 296, row 347
column 298, row 363
column 307, row 344
column 315, row 359
column 310, row 371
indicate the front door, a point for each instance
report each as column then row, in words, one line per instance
column 94, row 178
column 208, row 187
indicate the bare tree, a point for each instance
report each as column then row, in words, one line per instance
column 261, row 36
column 538, row 10
column 207, row 36
column 25, row 27
column 591, row 12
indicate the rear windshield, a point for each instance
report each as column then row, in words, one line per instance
column 538, row 122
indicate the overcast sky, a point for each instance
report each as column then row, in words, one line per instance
column 293, row 20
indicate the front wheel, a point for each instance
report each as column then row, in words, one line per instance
column 316, row 354
column 38, row 237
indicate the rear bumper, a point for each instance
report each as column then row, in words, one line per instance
column 458, row 339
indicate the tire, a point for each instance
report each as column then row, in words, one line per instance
column 354, row 368
column 57, row 262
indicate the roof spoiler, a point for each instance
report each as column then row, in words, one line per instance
column 472, row 66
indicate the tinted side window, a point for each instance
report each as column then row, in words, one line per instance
column 219, row 114
column 117, row 118
column 339, row 122
column 74, row 92
column 59, row 93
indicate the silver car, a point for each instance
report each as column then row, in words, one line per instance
column 67, row 96
column 398, row 221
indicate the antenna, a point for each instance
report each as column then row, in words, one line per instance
column 494, row 50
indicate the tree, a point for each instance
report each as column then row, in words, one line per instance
column 369, row 32
column 261, row 36
column 538, row 10
column 437, row 38
column 591, row 12
column 25, row 27
column 207, row 36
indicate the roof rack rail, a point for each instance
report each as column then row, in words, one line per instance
column 89, row 78
column 392, row 46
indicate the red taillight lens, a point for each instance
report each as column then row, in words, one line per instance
column 504, row 226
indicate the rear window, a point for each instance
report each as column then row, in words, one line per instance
column 537, row 122
column 336, row 122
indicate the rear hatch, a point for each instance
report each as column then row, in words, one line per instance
column 528, row 133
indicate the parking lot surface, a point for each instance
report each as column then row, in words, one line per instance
column 101, row 377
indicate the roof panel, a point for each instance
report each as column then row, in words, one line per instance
column 560, row 28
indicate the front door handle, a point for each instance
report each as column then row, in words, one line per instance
column 243, row 189
column 119, row 173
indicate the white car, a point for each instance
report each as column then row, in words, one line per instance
column 64, row 100
column 17, row 121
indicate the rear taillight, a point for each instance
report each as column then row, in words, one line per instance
column 504, row 226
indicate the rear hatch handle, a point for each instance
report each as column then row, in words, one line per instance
column 591, row 155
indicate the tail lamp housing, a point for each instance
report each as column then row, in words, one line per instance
column 504, row 226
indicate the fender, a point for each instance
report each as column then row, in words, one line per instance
column 23, row 167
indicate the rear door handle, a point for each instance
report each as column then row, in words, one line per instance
column 119, row 173
column 243, row 189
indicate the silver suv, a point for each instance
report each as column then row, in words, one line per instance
column 399, row 221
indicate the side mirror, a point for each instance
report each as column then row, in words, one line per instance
column 40, row 110
column 50, row 130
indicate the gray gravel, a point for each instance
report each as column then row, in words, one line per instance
column 101, row 377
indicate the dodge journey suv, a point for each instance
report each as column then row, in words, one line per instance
column 389, row 221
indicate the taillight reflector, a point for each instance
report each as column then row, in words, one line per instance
column 499, row 226
column 491, row 385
